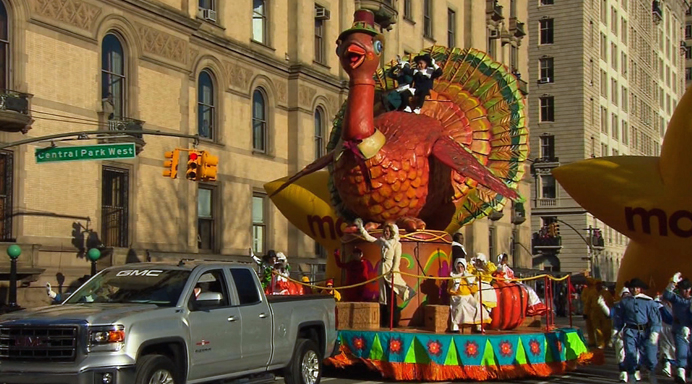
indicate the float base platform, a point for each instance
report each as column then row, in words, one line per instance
column 416, row 355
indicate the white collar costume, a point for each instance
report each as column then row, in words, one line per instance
column 642, row 296
column 455, row 244
column 427, row 72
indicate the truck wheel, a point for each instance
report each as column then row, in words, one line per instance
column 155, row 369
column 306, row 366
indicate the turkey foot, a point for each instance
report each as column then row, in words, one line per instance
column 410, row 224
column 353, row 228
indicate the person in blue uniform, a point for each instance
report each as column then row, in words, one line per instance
column 640, row 320
column 682, row 321
column 616, row 336
column 666, row 343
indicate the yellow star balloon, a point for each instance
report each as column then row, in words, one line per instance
column 647, row 199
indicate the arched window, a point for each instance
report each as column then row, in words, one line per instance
column 113, row 76
column 259, row 121
column 319, row 133
column 206, row 107
column 4, row 48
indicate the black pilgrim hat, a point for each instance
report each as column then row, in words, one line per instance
column 425, row 57
column 637, row 283
column 684, row 284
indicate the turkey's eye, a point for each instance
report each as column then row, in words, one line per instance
column 378, row 46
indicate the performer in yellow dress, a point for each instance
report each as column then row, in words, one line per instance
column 481, row 266
column 464, row 309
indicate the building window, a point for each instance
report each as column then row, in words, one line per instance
column 548, row 190
column 259, row 223
column 427, row 19
column 625, row 102
column 688, row 73
column 614, row 56
column 547, row 2
column 547, row 147
column 615, row 152
column 408, row 11
column 207, row 5
column 688, row 31
column 604, row 12
column 113, row 76
column 688, row 52
column 206, row 119
column 320, row 55
column 604, row 149
column 115, row 197
column 451, row 28
column 205, row 218
column 604, row 47
column 259, row 121
column 546, row 28
column 259, row 21
column 320, row 147
column 624, row 132
column 547, row 108
column 614, row 21
column 6, row 188
column 547, row 69
column 614, row 126
column 614, row 91
column 604, row 120
column 623, row 33
column 514, row 59
column 4, row 48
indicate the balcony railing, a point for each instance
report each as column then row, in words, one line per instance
column 126, row 124
column 15, row 111
column 546, row 203
column 494, row 10
column 539, row 242
column 516, row 27
column 518, row 214
column 657, row 11
column 385, row 11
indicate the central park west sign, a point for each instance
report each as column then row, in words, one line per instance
column 86, row 152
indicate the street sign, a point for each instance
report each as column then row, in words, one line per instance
column 86, row 152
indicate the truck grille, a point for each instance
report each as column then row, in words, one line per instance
column 22, row 343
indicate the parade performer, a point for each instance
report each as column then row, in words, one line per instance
column 480, row 266
column 423, row 77
column 390, row 248
column 640, row 320
column 279, row 282
column 266, row 264
column 682, row 321
column 403, row 74
column 356, row 273
column 536, row 306
column 666, row 343
column 464, row 308
column 616, row 336
column 307, row 290
column 331, row 291
column 588, row 296
column 600, row 323
column 458, row 250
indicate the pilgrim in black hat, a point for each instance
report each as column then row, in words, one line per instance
column 423, row 76
column 403, row 74
column 637, row 283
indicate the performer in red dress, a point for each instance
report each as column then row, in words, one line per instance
column 356, row 272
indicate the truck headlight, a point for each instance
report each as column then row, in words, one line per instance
column 106, row 338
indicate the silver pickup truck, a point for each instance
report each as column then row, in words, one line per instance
column 150, row 323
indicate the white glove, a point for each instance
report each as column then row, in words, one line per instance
column 604, row 307
column 435, row 64
column 686, row 333
column 615, row 334
column 50, row 292
column 359, row 223
column 677, row 277
column 653, row 338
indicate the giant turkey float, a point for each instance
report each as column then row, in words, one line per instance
column 430, row 172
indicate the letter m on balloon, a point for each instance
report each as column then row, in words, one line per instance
column 324, row 224
column 645, row 217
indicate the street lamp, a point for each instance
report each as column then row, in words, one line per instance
column 94, row 255
column 13, row 251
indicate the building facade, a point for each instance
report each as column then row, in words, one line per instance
column 607, row 75
column 257, row 80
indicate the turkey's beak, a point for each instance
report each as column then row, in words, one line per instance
column 355, row 55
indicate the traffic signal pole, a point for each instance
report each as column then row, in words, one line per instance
column 95, row 135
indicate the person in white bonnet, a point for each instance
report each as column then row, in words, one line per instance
column 464, row 308
column 480, row 266
column 536, row 306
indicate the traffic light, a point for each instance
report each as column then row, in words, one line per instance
column 171, row 166
column 209, row 166
column 194, row 161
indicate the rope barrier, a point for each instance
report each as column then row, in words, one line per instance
column 479, row 276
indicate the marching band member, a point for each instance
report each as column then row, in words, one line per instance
column 682, row 321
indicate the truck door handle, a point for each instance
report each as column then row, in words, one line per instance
column 231, row 318
column 262, row 315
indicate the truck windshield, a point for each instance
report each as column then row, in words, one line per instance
column 142, row 286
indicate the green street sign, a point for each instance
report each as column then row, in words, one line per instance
column 86, row 152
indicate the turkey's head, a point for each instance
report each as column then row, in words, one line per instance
column 360, row 48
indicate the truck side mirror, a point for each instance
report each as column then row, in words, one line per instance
column 207, row 300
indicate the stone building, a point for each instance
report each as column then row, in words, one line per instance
column 607, row 76
column 257, row 80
